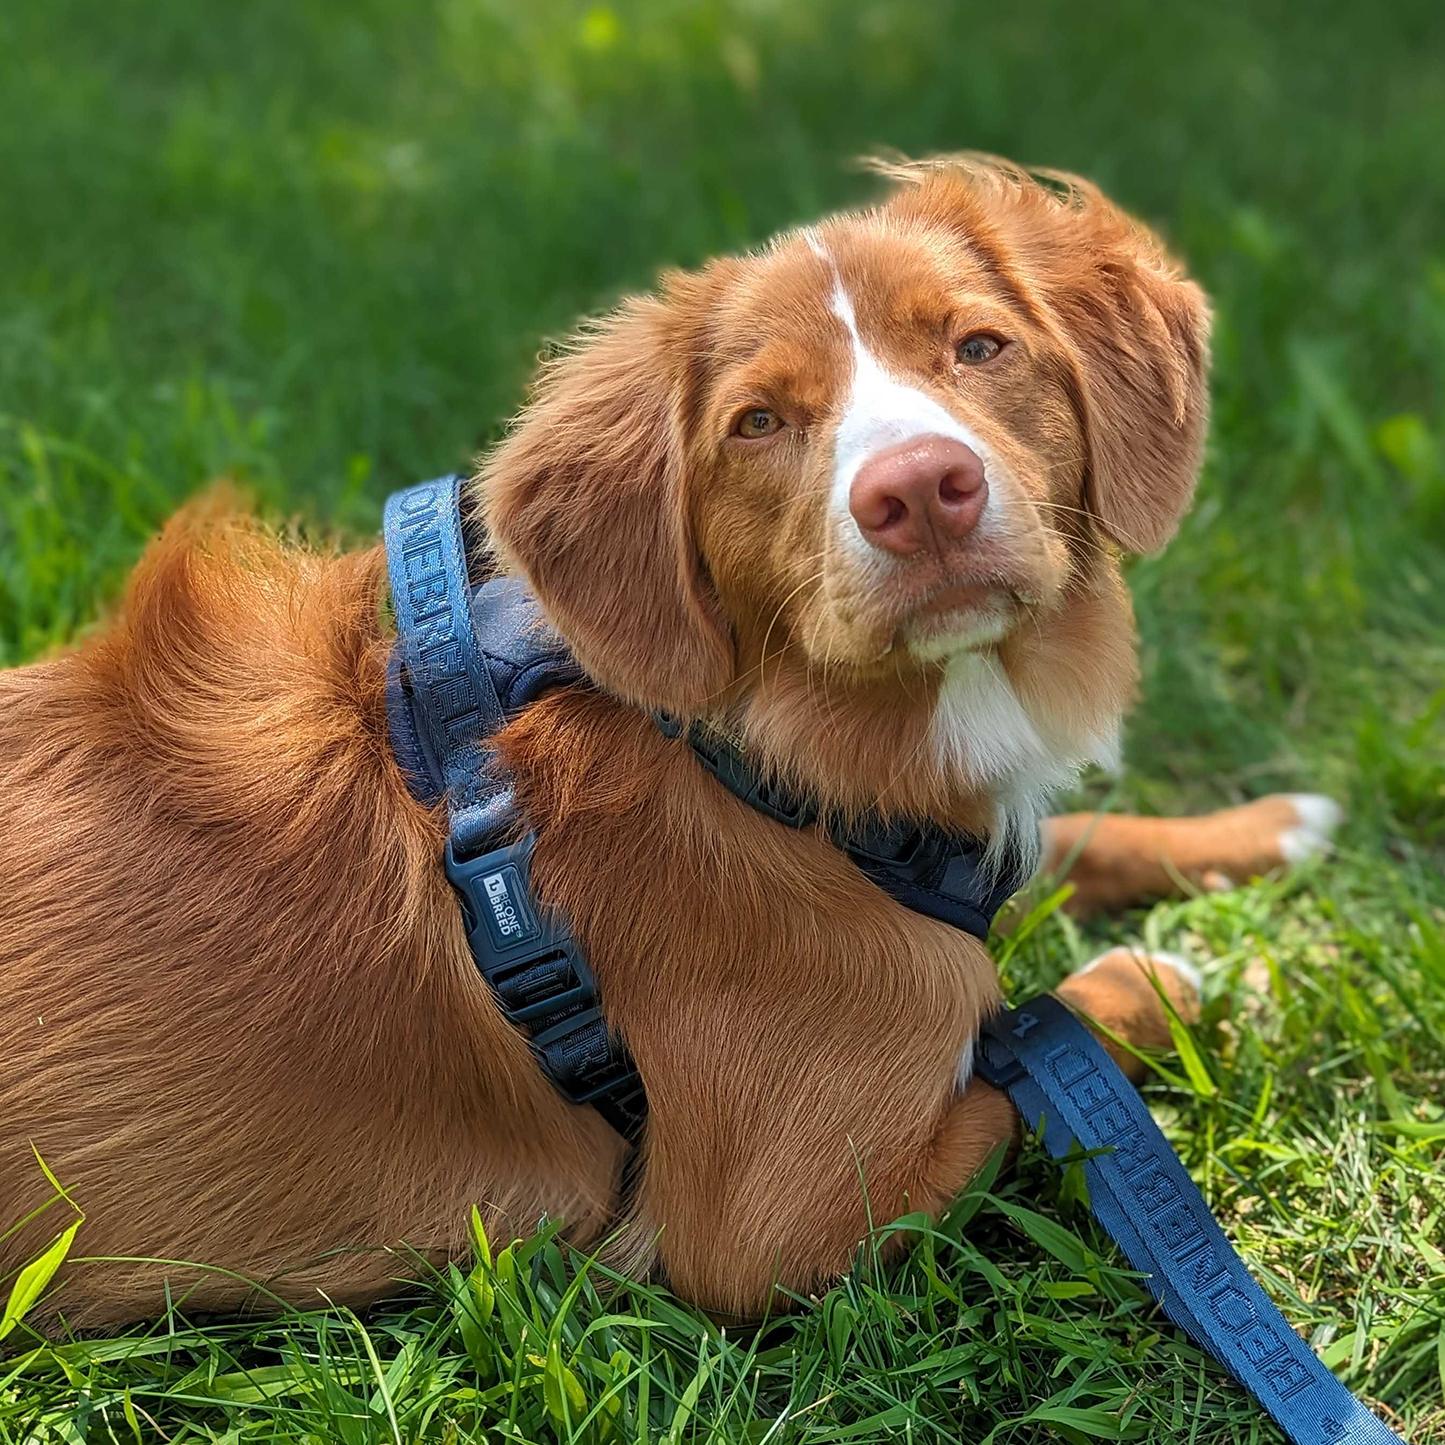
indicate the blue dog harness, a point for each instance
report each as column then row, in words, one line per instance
column 469, row 658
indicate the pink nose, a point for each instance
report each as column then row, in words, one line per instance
column 925, row 493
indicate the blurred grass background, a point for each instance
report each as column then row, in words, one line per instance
column 315, row 246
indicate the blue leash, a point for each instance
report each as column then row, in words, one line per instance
column 1054, row 1069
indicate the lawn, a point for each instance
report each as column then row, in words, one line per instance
column 315, row 246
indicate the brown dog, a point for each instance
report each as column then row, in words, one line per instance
column 856, row 500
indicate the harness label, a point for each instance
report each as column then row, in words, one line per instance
column 501, row 900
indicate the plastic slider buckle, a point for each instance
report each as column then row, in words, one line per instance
column 904, row 846
column 508, row 933
column 572, row 999
column 623, row 1091
column 581, row 1084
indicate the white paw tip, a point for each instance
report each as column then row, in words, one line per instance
column 1176, row 961
column 1182, row 966
column 1318, row 817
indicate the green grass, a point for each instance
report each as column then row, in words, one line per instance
column 315, row 246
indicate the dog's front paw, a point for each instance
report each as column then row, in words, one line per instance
column 1134, row 968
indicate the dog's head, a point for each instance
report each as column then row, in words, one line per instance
column 859, row 495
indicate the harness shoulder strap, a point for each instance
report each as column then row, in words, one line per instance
column 1054, row 1070
column 457, row 704
column 526, row 952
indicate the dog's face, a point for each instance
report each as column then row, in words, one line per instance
column 874, row 470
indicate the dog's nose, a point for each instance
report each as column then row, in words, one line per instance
column 927, row 492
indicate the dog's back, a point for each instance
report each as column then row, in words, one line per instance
column 227, row 956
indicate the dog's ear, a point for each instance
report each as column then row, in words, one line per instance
column 1138, row 335
column 1133, row 331
column 587, row 498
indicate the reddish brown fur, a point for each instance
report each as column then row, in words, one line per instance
column 238, row 1017
column 1131, row 330
column 1099, row 414
column 237, row 1013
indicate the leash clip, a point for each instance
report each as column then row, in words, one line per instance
column 993, row 1061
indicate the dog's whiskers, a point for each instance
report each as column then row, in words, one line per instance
column 817, row 578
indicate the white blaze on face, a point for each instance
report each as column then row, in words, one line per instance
column 881, row 412
column 981, row 730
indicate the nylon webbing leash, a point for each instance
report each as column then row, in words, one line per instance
column 1054, row 1069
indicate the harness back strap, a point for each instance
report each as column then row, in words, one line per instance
column 1054, row 1070
column 527, row 954
column 456, row 703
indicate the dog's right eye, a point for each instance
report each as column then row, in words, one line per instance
column 979, row 349
column 758, row 421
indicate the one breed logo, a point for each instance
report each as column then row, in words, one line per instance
column 507, row 919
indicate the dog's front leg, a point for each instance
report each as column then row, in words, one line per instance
column 756, row 1209
column 1115, row 861
column 1115, row 995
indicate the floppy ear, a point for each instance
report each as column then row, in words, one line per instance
column 587, row 499
column 1134, row 332
column 1138, row 334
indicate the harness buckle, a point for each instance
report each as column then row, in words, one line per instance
column 540, row 979
column 496, row 889
column 526, row 954
column 900, row 847
column 993, row 1061
column 579, row 1056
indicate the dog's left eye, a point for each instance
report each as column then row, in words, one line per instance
column 982, row 346
column 758, row 421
